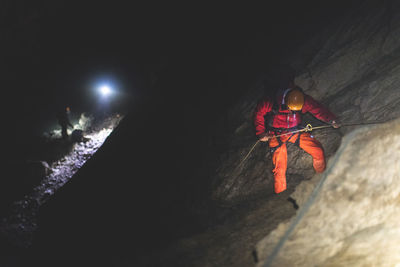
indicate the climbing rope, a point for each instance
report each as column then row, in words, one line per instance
column 309, row 128
column 248, row 154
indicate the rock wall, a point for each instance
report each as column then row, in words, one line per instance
column 351, row 67
column 352, row 221
column 354, row 218
column 356, row 64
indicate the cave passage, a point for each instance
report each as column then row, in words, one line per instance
column 21, row 223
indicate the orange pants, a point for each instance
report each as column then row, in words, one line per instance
column 279, row 157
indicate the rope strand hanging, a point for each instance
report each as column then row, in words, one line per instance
column 309, row 128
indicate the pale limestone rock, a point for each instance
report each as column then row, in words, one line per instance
column 355, row 218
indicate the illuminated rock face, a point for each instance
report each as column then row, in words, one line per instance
column 355, row 218
column 352, row 67
column 356, row 63
column 37, row 181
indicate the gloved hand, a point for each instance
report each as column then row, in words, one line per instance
column 336, row 124
column 264, row 137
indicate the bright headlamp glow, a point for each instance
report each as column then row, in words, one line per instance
column 105, row 90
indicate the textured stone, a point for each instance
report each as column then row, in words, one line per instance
column 354, row 220
column 351, row 67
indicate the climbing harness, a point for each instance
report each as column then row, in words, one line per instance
column 280, row 143
column 309, row 128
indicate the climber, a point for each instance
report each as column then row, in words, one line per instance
column 63, row 120
column 285, row 116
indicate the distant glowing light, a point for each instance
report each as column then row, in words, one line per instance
column 105, row 90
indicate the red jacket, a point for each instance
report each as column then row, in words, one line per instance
column 285, row 118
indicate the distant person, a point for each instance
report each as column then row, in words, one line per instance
column 284, row 117
column 63, row 120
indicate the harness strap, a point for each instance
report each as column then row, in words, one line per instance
column 280, row 130
column 297, row 142
column 273, row 149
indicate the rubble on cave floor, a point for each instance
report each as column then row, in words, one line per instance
column 67, row 157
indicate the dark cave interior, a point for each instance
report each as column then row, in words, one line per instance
column 179, row 67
